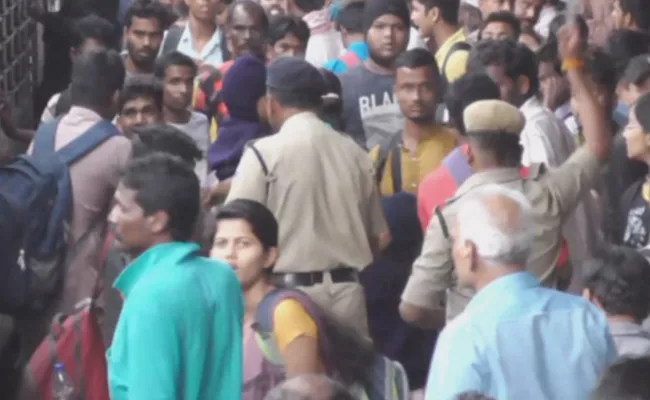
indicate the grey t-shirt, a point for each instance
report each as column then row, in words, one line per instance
column 370, row 111
column 198, row 129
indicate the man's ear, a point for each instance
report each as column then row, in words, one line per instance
column 157, row 222
column 433, row 14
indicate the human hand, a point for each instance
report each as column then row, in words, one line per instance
column 570, row 42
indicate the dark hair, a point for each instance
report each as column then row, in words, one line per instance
column 350, row 17
column 619, row 278
column 449, row 9
column 284, row 25
column 505, row 17
column 96, row 76
column 466, row 90
column 642, row 112
column 174, row 58
column 624, row 45
column 308, row 6
column 515, row 58
column 332, row 109
column 602, row 70
column 93, row 27
column 261, row 219
column 626, row 379
column 639, row 11
column 166, row 183
column 165, row 138
column 335, row 390
column 148, row 9
column 548, row 53
column 419, row 58
column 250, row 7
column 504, row 147
column 473, row 396
column 140, row 86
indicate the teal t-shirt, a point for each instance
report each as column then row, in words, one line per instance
column 180, row 332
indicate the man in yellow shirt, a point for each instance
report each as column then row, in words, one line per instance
column 405, row 159
column 438, row 23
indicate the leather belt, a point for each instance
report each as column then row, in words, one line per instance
column 338, row 275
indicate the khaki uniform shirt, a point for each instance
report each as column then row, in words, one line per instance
column 553, row 197
column 322, row 191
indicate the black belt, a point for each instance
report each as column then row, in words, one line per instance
column 338, row 275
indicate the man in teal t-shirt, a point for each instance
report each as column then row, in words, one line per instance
column 349, row 21
column 179, row 335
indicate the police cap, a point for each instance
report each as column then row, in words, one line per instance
column 293, row 74
column 493, row 116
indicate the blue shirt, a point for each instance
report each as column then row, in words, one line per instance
column 338, row 66
column 517, row 340
column 180, row 332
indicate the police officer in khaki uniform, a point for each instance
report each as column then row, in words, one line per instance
column 493, row 129
column 319, row 184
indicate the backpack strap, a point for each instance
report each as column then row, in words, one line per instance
column 384, row 151
column 44, row 138
column 87, row 142
column 172, row 39
column 458, row 46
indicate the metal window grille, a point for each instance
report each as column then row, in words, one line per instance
column 18, row 52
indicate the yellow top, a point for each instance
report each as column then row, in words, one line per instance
column 291, row 321
column 428, row 156
column 457, row 63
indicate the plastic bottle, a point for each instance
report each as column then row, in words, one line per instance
column 62, row 387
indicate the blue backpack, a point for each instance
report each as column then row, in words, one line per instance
column 35, row 210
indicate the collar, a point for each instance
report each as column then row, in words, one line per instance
column 78, row 112
column 531, row 105
column 298, row 122
column 163, row 255
column 459, row 36
column 214, row 41
column 492, row 176
column 564, row 111
column 625, row 328
column 511, row 283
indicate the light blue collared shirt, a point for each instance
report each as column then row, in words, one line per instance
column 211, row 53
column 517, row 340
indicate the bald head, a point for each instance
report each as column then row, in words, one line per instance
column 499, row 223
column 250, row 9
column 309, row 387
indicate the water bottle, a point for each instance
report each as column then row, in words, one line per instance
column 62, row 385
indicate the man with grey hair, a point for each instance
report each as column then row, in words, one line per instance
column 309, row 387
column 514, row 339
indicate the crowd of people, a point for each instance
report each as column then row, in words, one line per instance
column 379, row 199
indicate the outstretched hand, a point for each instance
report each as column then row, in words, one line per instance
column 570, row 42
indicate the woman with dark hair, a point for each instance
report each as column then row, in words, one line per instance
column 285, row 333
column 332, row 109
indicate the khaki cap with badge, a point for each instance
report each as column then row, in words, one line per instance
column 493, row 116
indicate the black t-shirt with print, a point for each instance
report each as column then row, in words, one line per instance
column 636, row 216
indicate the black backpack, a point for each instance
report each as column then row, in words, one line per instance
column 35, row 210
